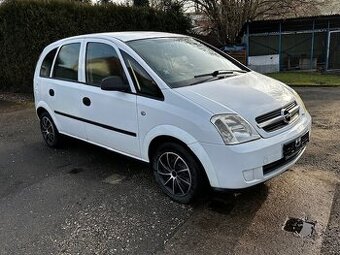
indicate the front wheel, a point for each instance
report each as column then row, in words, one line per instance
column 178, row 172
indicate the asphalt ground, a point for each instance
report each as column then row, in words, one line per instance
column 82, row 199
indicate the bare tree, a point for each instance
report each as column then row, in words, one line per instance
column 226, row 17
column 331, row 7
column 167, row 4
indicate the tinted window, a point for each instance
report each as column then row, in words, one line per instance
column 66, row 65
column 102, row 61
column 46, row 65
column 144, row 84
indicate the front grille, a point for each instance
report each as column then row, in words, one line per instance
column 278, row 118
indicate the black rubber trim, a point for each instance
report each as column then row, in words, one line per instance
column 98, row 124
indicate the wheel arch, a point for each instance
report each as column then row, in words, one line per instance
column 157, row 141
column 40, row 111
column 169, row 133
column 43, row 107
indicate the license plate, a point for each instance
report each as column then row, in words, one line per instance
column 292, row 148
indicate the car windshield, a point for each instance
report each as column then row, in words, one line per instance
column 183, row 61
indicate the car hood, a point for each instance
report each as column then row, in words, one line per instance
column 250, row 95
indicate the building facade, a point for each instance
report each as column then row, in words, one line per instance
column 309, row 43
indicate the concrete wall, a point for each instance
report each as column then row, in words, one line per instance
column 265, row 63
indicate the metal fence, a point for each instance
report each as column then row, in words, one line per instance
column 283, row 46
column 334, row 51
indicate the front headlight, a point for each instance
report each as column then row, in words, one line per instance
column 234, row 129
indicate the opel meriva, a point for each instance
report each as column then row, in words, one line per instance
column 196, row 114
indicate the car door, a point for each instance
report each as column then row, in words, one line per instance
column 62, row 89
column 110, row 117
column 150, row 98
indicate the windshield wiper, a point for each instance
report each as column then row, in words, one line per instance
column 220, row 72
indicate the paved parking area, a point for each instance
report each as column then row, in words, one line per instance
column 82, row 199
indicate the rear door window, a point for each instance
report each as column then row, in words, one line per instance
column 67, row 62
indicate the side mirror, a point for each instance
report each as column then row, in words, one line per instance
column 114, row 83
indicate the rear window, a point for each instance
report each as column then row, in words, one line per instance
column 66, row 65
column 46, row 65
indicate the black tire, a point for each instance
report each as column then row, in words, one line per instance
column 49, row 131
column 169, row 164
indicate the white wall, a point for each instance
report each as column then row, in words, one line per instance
column 265, row 63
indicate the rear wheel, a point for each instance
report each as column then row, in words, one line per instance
column 49, row 130
column 178, row 172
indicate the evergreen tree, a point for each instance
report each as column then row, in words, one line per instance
column 141, row 3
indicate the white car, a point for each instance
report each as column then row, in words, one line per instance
column 196, row 114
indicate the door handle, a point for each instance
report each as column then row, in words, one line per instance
column 86, row 101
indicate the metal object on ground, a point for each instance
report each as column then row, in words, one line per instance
column 302, row 227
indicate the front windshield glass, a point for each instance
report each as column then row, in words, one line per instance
column 182, row 61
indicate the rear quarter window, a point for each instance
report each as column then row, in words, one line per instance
column 46, row 65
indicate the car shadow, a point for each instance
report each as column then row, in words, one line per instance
column 109, row 162
column 228, row 212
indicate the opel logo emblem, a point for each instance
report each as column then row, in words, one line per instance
column 298, row 142
column 286, row 115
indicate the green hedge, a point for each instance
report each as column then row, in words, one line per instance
column 26, row 27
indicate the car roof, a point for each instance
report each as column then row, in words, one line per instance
column 125, row 36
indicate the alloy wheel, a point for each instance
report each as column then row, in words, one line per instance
column 48, row 130
column 174, row 173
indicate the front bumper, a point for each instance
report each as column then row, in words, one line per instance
column 244, row 165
